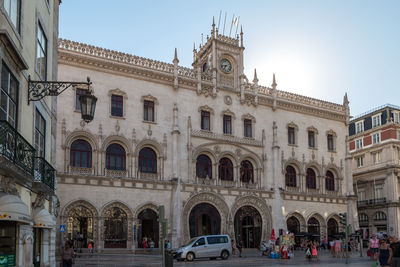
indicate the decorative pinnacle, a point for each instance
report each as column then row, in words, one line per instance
column 194, row 47
column 176, row 56
column 241, row 36
column 255, row 80
column 345, row 100
column 274, row 84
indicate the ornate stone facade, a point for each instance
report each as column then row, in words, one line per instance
column 187, row 165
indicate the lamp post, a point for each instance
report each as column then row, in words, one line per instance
column 39, row 89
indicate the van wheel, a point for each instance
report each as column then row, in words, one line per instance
column 224, row 255
column 190, row 256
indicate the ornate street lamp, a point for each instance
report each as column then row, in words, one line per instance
column 39, row 89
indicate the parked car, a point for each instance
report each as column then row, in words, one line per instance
column 209, row 246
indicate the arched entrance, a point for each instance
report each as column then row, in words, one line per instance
column 248, row 226
column 204, row 219
column 293, row 226
column 80, row 225
column 115, row 228
column 314, row 229
column 149, row 227
column 333, row 229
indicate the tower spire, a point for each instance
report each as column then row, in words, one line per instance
column 241, row 36
column 176, row 56
column 213, row 28
column 255, row 80
column 274, row 84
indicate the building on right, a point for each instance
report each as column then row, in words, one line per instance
column 374, row 143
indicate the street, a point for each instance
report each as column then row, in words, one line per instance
column 251, row 257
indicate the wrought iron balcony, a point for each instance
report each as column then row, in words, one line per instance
column 371, row 202
column 15, row 148
column 44, row 172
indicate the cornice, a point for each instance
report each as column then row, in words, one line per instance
column 100, row 59
column 226, row 138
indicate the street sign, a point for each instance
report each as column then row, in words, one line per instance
column 62, row 228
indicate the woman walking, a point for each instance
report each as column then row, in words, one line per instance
column 68, row 255
column 384, row 253
column 373, row 247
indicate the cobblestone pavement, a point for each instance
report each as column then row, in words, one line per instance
column 250, row 258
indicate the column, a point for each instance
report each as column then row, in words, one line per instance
column 278, row 221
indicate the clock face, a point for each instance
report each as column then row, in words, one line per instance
column 226, row 65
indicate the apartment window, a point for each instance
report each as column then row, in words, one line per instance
column 148, row 110
column 41, row 53
column 117, row 104
column 311, row 179
column 8, row 96
column 40, row 134
column 376, row 120
column 360, row 162
column 247, row 128
column 147, row 160
column 330, row 141
column 396, row 117
column 378, row 191
column 81, row 154
column 311, row 139
column 290, row 177
column 359, row 143
column 115, row 157
column 330, row 181
column 376, row 157
column 78, row 93
column 13, row 10
column 227, row 121
column 361, row 194
column 376, row 138
column 291, row 136
column 205, row 120
column 359, row 127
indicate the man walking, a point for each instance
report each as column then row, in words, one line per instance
column 394, row 258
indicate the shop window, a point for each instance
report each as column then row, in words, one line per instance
column 8, row 239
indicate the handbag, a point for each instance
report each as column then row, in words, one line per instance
column 369, row 254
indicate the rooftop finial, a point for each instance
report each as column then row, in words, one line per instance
column 194, row 47
column 241, row 36
column 274, row 84
column 255, row 80
column 345, row 100
column 176, row 56
column 213, row 28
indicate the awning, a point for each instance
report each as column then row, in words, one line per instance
column 13, row 209
column 43, row 219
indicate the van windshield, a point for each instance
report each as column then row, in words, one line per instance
column 190, row 241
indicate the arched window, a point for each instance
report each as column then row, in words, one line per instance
column 311, row 180
column 147, row 160
column 225, row 169
column 81, row 154
column 203, row 166
column 333, row 228
column 290, row 176
column 380, row 216
column 246, row 172
column 330, row 181
column 362, row 218
column 115, row 157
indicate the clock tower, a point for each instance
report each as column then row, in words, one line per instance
column 220, row 60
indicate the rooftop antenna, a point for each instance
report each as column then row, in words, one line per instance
column 219, row 19
column 223, row 33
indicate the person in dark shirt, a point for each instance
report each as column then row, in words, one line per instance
column 394, row 258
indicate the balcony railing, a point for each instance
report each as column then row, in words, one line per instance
column 44, row 172
column 15, row 148
column 371, row 202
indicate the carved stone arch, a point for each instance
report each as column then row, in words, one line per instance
column 153, row 144
column 87, row 204
column 123, row 141
column 322, row 223
column 229, row 155
column 336, row 217
column 260, row 205
column 203, row 150
column 250, row 157
column 81, row 134
column 205, row 197
column 315, row 166
column 297, row 165
column 300, row 218
column 145, row 206
column 334, row 169
column 122, row 206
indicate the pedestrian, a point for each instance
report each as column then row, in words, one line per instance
column 168, row 245
column 314, row 250
column 394, row 257
column 384, row 253
column 151, row 244
column 68, row 256
column 233, row 247
column 144, row 244
column 239, row 246
column 90, row 247
column 308, row 251
column 338, row 247
column 373, row 247
column 332, row 247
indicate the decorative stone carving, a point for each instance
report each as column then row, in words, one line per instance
column 227, row 100
column 39, row 201
column 7, row 185
column 217, row 149
column 206, row 108
column 128, row 212
column 248, row 116
column 238, row 152
column 117, row 91
column 134, row 135
column 226, row 138
column 149, row 131
column 149, row 98
column 229, row 113
column 117, row 127
column 205, row 197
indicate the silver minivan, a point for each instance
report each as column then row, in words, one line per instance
column 208, row 246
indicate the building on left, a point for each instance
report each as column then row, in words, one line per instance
column 28, row 204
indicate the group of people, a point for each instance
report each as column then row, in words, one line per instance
column 237, row 246
column 147, row 243
column 385, row 250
